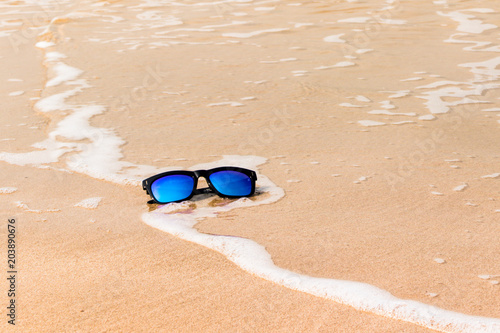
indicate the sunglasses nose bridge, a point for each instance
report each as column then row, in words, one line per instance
column 201, row 173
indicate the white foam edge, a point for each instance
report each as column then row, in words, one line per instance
column 36, row 157
column 467, row 23
column 436, row 105
column 477, row 44
column 253, row 258
column 63, row 73
column 57, row 101
column 484, row 70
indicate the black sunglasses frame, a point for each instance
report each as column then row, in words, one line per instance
column 146, row 183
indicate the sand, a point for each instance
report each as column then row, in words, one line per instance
column 373, row 204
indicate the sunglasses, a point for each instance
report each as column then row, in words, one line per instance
column 175, row 186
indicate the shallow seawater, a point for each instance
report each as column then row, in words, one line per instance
column 353, row 112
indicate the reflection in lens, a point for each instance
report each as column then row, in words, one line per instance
column 172, row 188
column 232, row 183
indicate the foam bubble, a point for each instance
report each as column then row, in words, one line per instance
column 90, row 203
column 256, row 82
column 253, row 33
column 418, row 78
column 370, row 123
column 403, row 122
column 362, row 19
column 323, row 67
column 361, row 98
column 363, row 51
column 344, row 64
column 7, row 190
column 334, row 39
column 349, row 105
column 427, row 117
column 300, row 25
column 460, row 188
column 226, row 103
column 493, row 175
column 44, row 44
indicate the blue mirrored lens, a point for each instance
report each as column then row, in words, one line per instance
column 172, row 188
column 231, row 183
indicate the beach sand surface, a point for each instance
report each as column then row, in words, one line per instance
column 379, row 120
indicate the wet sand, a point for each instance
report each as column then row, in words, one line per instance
column 375, row 204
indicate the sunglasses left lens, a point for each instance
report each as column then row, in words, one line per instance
column 172, row 188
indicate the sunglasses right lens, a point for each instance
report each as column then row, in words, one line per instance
column 232, row 183
column 172, row 188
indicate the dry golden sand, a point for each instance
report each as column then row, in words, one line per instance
column 105, row 270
